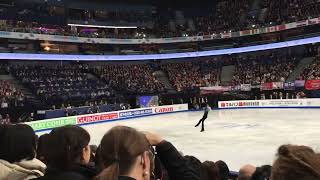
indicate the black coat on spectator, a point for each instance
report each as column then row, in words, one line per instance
column 82, row 172
column 176, row 165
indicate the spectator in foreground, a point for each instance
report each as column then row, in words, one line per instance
column 223, row 170
column 18, row 152
column 196, row 164
column 42, row 148
column 126, row 153
column 246, row 172
column 262, row 173
column 296, row 163
column 211, row 170
column 68, row 152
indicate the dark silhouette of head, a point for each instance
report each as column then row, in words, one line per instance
column 212, row 170
column 223, row 170
column 296, row 163
column 18, row 142
column 262, row 173
column 68, row 146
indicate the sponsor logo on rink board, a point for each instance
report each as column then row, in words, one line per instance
column 52, row 123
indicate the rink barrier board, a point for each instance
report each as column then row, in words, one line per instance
column 300, row 107
column 82, row 120
column 279, row 103
column 113, row 120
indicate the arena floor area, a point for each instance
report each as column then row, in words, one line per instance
column 236, row 136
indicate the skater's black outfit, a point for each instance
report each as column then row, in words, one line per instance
column 204, row 117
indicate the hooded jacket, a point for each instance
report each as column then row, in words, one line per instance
column 23, row 170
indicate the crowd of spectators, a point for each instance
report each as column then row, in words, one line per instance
column 273, row 67
column 116, row 15
column 313, row 71
column 126, row 153
column 30, row 12
column 279, row 12
column 225, row 17
column 10, row 96
column 189, row 75
column 132, row 79
column 57, row 84
column 5, row 119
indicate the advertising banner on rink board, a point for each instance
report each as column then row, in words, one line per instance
column 277, row 85
column 299, row 83
column 245, row 87
column 235, row 88
column 289, row 86
column 97, row 117
column 103, row 117
column 266, row 86
column 312, row 84
column 52, row 123
column 280, row 103
column 214, row 89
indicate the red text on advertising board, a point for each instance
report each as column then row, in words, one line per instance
column 95, row 118
column 164, row 109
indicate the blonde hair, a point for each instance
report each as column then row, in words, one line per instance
column 118, row 151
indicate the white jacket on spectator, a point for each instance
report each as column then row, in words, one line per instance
column 24, row 170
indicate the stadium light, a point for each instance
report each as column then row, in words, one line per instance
column 98, row 26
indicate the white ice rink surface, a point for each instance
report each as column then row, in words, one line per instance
column 235, row 136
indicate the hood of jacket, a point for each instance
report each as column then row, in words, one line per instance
column 23, row 170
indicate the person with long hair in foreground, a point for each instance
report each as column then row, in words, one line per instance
column 296, row 163
column 127, row 154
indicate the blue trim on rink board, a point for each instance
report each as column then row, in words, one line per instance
column 118, row 119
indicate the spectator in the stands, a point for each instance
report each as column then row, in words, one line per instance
column 296, row 163
column 9, row 95
column 17, row 153
column 69, row 106
column 68, row 150
column 5, row 120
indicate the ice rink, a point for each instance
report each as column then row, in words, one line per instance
column 236, row 136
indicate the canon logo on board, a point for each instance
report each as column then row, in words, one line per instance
column 164, row 109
